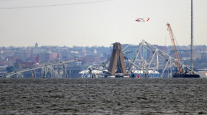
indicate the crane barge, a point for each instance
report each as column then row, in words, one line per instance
column 182, row 73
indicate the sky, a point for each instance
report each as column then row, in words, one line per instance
column 100, row 22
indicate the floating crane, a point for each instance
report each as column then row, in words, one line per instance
column 174, row 47
column 181, row 74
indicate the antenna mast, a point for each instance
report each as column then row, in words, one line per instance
column 192, row 35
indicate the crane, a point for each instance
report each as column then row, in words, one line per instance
column 174, row 47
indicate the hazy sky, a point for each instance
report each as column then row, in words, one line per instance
column 100, row 23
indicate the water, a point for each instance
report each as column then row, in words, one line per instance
column 103, row 96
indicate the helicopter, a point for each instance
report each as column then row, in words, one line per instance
column 142, row 20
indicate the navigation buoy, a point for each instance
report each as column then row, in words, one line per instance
column 44, row 76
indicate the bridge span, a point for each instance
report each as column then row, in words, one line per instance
column 47, row 68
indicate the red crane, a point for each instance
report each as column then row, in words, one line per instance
column 174, row 47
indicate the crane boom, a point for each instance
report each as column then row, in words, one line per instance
column 174, row 47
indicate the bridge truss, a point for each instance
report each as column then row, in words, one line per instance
column 47, row 68
column 159, row 60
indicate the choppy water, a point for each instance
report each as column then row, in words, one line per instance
column 103, row 96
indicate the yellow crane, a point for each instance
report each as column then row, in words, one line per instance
column 174, row 47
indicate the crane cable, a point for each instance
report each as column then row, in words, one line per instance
column 178, row 47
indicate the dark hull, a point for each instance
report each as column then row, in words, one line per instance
column 186, row 76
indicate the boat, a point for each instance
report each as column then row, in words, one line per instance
column 180, row 75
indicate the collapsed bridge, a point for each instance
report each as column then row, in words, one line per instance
column 119, row 64
column 159, row 60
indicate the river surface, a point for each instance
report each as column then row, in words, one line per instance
column 103, row 96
